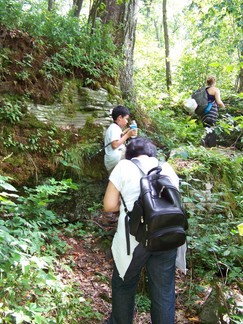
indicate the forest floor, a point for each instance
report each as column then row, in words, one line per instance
column 93, row 270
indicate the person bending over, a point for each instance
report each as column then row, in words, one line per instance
column 125, row 180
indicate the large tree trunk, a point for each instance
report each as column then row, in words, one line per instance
column 130, row 23
column 123, row 17
column 51, row 4
column 77, row 6
column 240, row 88
column 167, row 46
column 240, row 77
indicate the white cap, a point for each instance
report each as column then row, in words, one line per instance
column 190, row 105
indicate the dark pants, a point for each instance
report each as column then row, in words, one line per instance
column 210, row 139
column 161, row 279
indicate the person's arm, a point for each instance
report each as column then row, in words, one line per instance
column 218, row 98
column 111, row 201
column 130, row 132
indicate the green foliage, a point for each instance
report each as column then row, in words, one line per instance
column 43, row 141
column 171, row 128
column 215, row 209
column 143, row 303
column 149, row 72
column 10, row 111
column 30, row 290
column 76, row 47
column 211, row 189
column 8, row 10
column 96, row 57
column 9, row 191
column 82, row 158
column 230, row 129
column 75, row 230
column 212, row 42
column 35, row 204
column 78, row 157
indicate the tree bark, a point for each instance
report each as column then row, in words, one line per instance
column 123, row 18
column 129, row 37
column 77, row 6
column 51, row 4
column 240, row 77
column 167, row 46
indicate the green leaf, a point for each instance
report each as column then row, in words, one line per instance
column 7, row 186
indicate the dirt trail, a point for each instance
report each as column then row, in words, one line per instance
column 93, row 270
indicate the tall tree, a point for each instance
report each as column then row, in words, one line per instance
column 51, row 4
column 77, row 6
column 122, row 16
column 167, row 46
column 240, row 77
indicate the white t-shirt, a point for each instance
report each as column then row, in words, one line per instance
column 113, row 156
column 126, row 178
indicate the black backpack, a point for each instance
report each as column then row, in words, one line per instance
column 157, row 219
column 201, row 97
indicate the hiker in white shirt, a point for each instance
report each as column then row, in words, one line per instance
column 125, row 180
column 115, row 138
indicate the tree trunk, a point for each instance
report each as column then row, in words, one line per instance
column 130, row 23
column 240, row 77
column 240, row 89
column 123, row 18
column 77, row 6
column 51, row 4
column 167, row 46
column 158, row 29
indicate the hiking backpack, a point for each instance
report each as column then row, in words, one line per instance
column 157, row 219
column 201, row 97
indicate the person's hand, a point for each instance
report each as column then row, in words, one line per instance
column 132, row 132
column 125, row 131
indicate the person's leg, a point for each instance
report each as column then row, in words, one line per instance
column 161, row 278
column 123, row 299
column 211, row 139
column 124, row 291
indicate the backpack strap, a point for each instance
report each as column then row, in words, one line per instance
column 126, row 226
column 100, row 150
column 139, row 165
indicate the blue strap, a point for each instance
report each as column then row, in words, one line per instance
column 208, row 108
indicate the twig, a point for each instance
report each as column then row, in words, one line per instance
column 6, row 157
column 36, row 169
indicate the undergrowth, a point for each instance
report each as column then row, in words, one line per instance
column 33, row 285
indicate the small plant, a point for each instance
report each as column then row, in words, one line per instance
column 143, row 303
column 10, row 111
column 75, row 230
column 229, row 130
column 22, row 76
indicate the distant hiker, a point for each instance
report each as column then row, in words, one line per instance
column 125, row 180
column 114, row 137
column 210, row 114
